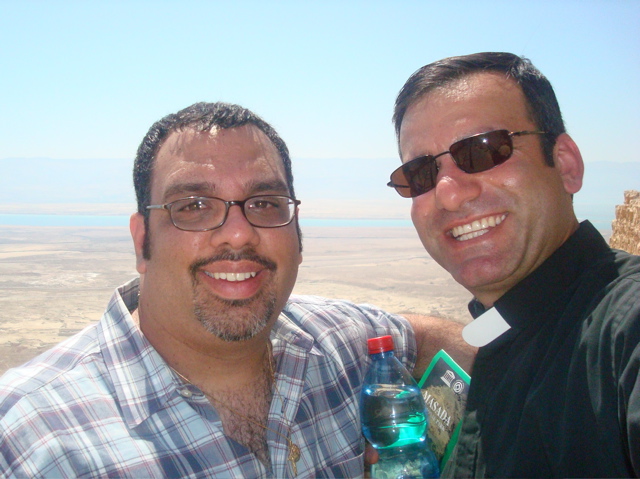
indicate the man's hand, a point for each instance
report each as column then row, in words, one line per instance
column 370, row 458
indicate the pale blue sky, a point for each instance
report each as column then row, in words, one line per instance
column 86, row 79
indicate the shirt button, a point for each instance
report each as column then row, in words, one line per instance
column 185, row 393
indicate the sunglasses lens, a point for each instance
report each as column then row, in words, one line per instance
column 472, row 155
column 415, row 177
column 482, row 152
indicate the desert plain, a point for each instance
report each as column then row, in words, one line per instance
column 54, row 281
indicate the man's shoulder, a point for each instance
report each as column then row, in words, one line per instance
column 331, row 319
column 328, row 306
column 627, row 264
column 620, row 273
column 621, row 297
column 61, row 367
column 610, row 295
column 321, row 310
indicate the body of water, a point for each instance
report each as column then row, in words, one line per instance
column 63, row 220
column 600, row 215
column 115, row 220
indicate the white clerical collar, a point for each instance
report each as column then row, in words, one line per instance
column 485, row 328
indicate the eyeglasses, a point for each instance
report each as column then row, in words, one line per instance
column 200, row 213
column 472, row 155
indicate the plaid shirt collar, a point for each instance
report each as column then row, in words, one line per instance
column 142, row 381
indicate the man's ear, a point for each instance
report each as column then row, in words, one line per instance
column 568, row 160
column 138, row 233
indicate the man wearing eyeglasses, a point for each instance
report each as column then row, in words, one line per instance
column 204, row 367
column 491, row 171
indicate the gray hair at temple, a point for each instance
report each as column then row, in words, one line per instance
column 200, row 117
column 542, row 103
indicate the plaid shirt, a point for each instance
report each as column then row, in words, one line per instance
column 105, row 404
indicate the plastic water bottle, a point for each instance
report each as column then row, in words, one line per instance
column 394, row 417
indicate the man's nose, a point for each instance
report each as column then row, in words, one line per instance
column 236, row 231
column 454, row 188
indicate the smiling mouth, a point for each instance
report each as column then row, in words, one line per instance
column 476, row 228
column 232, row 276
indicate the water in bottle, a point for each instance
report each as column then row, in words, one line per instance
column 394, row 417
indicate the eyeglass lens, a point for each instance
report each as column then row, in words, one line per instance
column 200, row 213
column 472, row 155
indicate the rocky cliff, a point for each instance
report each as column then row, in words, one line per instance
column 626, row 227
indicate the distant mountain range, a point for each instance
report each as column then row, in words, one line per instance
column 42, row 180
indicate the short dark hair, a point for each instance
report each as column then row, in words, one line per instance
column 542, row 103
column 200, row 117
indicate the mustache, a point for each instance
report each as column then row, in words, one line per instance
column 233, row 256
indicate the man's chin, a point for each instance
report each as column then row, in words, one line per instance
column 237, row 319
column 240, row 330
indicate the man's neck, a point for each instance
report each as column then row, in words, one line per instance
column 206, row 360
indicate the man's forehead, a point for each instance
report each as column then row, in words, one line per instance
column 193, row 161
column 216, row 138
column 475, row 95
column 471, row 86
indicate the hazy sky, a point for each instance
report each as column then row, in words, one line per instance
column 86, row 79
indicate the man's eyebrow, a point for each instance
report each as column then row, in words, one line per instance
column 189, row 189
column 262, row 186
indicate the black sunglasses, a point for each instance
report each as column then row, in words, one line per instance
column 472, row 155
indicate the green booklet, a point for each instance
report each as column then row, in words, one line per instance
column 445, row 386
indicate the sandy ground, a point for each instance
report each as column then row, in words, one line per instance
column 54, row 281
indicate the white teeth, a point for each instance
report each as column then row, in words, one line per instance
column 232, row 276
column 476, row 228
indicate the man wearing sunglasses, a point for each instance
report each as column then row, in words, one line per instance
column 203, row 366
column 491, row 172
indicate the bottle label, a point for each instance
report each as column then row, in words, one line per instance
column 444, row 387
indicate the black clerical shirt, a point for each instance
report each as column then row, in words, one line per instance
column 558, row 395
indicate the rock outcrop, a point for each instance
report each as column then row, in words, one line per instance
column 626, row 226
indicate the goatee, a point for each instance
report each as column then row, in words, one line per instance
column 239, row 319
